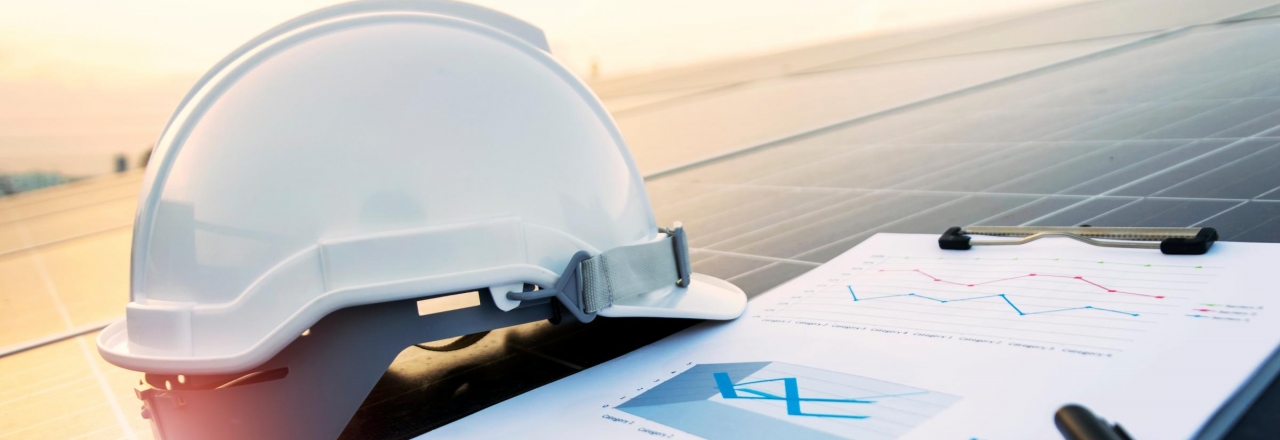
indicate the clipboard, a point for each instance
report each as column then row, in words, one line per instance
column 1170, row 241
column 1075, row 422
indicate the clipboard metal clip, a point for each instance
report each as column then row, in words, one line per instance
column 1171, row 241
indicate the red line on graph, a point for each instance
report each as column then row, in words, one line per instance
column 940, row 280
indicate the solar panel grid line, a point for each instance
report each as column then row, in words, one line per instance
column 732, row 229
column 1012, row 19
column 1033, row 174
column 1141, row 111
column 54, row 338
column 926, row 221
column 1229, row 114
column 1273, row 190
column 1129, row 168
column 1112, row 210
column 1258, row 225
column 68, row 415
column 49, row 393
column 929, row 174
column 1158, row 172
column 100, row 378
column 56, row 206
column 822, row 214
column 819, row 214
column 44, row 278
column 831, row 190
column 1218, row 80
column 1218, row 168
column 912, row 105
column 645, row 83
column 986, row 156
column 753, row 206
column 1156, row 70
column 35, row 247
column 753, row 271
column 717, row 206
column 1202, row 222
column 846, row 153
column 57, row 393
column 16, row 219
column 94, row 433
column 1029, row 47
column 756, row 257
column 57, row 192
column 862, row 148
column 1156, row 160
column 695, row 94
column 819, row 218
column 845, row 242
column 1068, row 143
column 1067, row 164
column 40, row 384
column 1134, row 182
column 1006, row 212
column 1078, row 86
column 1254, row 13
column 1205, row 106
column 51, row 290
column 818, row 69
column 859, row 149
column 1095, row 82
column 40, row 395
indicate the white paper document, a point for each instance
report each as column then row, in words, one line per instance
column 897, row 339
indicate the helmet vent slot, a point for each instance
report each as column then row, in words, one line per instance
column 448, row 303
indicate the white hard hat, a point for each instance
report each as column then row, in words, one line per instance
column 383, row 151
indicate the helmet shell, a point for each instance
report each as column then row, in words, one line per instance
column 371, row 152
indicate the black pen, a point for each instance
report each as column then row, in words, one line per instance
column 1076, row 422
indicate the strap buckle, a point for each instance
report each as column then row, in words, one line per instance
column 568, row 289
column 571, row 288
column 680, row 245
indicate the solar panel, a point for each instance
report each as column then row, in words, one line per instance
column 1142, row 123
column 1166, row 132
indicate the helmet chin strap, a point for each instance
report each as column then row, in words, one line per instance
column 589, row 284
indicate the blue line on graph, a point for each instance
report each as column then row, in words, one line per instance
column 791, row 395
column 1001, row 295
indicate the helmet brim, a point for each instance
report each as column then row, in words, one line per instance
column 706, row 297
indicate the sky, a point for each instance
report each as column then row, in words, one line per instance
column 83, row 80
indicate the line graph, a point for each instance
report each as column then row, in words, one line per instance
column 1074, row 277
column 998, row 295
column 780, row 400
column 1060, row 303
